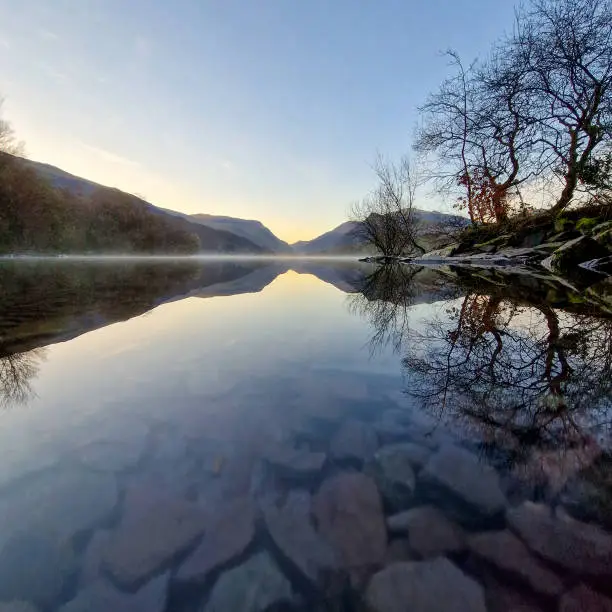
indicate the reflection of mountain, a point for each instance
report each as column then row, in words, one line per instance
column 43, row 302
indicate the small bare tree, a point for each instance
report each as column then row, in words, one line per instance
column 386, row 218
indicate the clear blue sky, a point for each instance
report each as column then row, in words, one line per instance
column 267, row 109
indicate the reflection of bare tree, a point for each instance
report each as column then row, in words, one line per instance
column 505, row 365
column 385, row 299
column 529, row 378
column 16, row 374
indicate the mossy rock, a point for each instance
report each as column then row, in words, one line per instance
column 586, row 224
column 602, row 227
column 563, row 224
column 604, row 238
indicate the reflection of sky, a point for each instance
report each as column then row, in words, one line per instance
column 214, row 356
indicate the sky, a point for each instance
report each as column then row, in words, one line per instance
column 261, row 109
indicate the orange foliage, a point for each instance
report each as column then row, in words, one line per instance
column 488, row 202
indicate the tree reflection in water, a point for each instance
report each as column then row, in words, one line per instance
column 530, row 382
column 17, row 372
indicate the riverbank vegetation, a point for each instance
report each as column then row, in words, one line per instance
column 523, row 136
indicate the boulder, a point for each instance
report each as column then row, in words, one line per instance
column 254, row 586
column 464, row 488
column 154, row 531
column 505, row 552
column 392, row 470
column 102, row 597
column 291, row 528
column 425, row 586
column 399, row 550
column 229, row 532
column 295, row 463
column 64, row 501
column 575, row 252
column 35, row 567
column 430, row 533
column 583, row 549
column 349, row 515
column 583, row 599
column 503, row 597
column 354, row 441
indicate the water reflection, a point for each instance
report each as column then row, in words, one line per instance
column 17, row 372
column 523, row 368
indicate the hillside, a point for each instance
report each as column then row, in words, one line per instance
column 203, row 238
column 252, row 230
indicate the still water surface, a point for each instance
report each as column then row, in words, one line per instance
column 237, row 435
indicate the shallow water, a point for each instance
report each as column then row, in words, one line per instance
column 152, row 409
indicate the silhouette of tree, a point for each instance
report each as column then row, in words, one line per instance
column 16, row 374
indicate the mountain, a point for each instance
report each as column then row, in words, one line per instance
column 255, row 231
column 211, row 240
column 342, row 240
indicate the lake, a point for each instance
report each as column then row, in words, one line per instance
column 249, row 435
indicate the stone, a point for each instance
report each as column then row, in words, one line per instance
column 464, row 488
column 430, row 533
column 426, row 586
column 583, row 549
column 35, row 567
column 291, row 528
column 111, row 456
column 64, row 501
column 575, row 252
column 295, row 463
column 508, row 554
column 355, row 441
column 391, row 469
column 229, row 532
column 583, row 599
column 103, row 597
column 91, row 566
column 254, row 586
column 349, row 516
column 155, row 530
column 17, row 606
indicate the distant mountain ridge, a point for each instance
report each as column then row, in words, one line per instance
column 343, row 240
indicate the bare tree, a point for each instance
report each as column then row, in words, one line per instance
column 538, row 107
column 386, row 218
column 565, row 49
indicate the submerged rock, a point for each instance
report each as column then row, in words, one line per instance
column 35, row 567
column 349, row 515
column 508, row 554
column 91, row 565
column 17, row 606
column 254, row 586
column 455, row 480
column 583, row 549
column 391, row 468
column 228, row 534
column 583, row 599
column 425, row 586
column 355, row 441
column 290, row 526
column 66, row 502
column 295, row 463
column 154, row 531
column 102, row 597
column 430, row 533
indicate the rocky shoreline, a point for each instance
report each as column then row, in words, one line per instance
column 568, row 253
